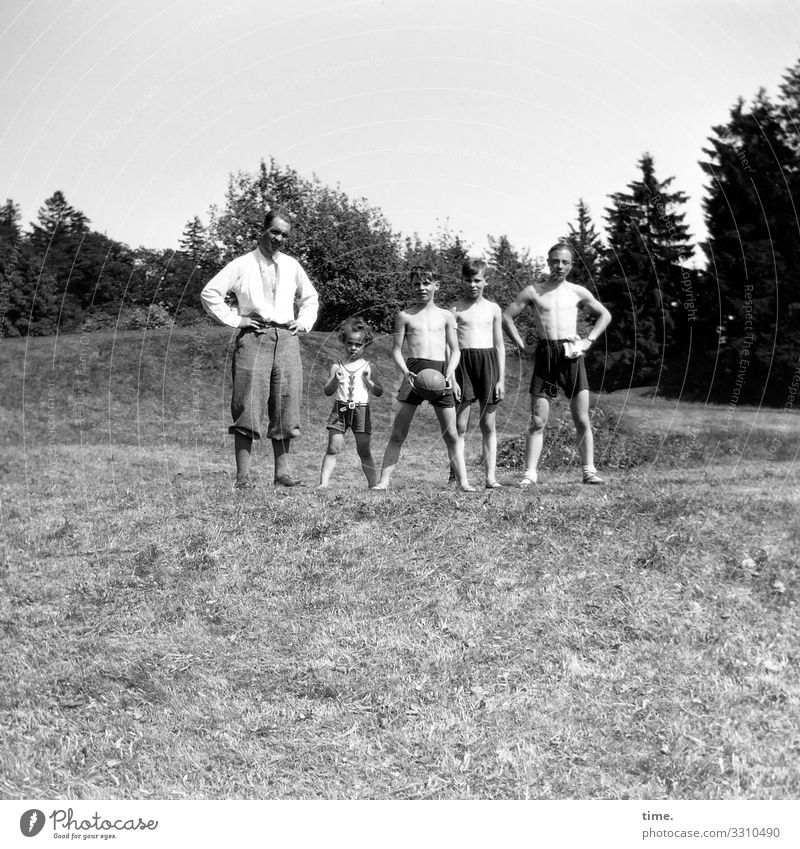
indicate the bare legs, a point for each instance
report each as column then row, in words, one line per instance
column 488, row 436
column 579, row 407
column 391, row 455
column 335, row 445
column 540, row 412
column 447, row 424
column 364, row 449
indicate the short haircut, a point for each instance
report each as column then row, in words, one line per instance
column 562, row 246
column 422, row 271
column 472, row 267
column 276, row 212
column 355, row 325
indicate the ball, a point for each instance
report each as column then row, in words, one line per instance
column 430, row 384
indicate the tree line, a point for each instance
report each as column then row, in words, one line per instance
column 727, row 332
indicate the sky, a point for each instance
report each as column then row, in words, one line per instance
column 483, row 117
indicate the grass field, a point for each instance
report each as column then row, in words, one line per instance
column 164, row 637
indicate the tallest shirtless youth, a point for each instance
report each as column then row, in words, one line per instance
column 558, row 357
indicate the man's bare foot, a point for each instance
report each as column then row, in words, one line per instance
column 322, row 486
column 466, row 487
column 380, row 487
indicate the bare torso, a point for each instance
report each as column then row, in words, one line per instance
column 425, row 331
column 555, row 310
column 475, row 323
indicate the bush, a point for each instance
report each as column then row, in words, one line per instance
column 128, row 317
column 616, row 446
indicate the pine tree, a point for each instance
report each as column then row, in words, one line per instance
column 753, row 251
column 56, row 220
column 54, row 247
column 13, row 269
column 789, row 108
column 194, row 241
column 588, row 249
column 641, row 279
column 10, row 231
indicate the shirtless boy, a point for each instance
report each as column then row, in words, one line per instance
column 555, row 303
column 482, row 367
column 430, row 334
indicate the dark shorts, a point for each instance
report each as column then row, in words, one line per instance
column 267, row 382
column 477, row 375
column 552, row 369
column 407, row 394
column 356, row 418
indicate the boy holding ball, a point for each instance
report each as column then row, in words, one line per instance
column 432, row 342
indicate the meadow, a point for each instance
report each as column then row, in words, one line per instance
column 165, row 637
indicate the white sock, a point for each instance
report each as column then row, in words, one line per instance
column 589, row 470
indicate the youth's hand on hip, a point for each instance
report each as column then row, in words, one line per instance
column 296, row 328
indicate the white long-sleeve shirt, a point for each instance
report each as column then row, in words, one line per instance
column 264, row 286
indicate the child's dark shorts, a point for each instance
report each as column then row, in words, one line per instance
column 356, row 418
column 551, row 369
column 415, row 366
column 477, row 375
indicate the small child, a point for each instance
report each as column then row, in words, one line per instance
column 351, row 380
column 482, row 367
column 430, row 332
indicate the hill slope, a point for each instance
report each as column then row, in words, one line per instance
column 136, row 387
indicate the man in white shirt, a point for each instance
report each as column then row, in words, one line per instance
column 267, row 370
